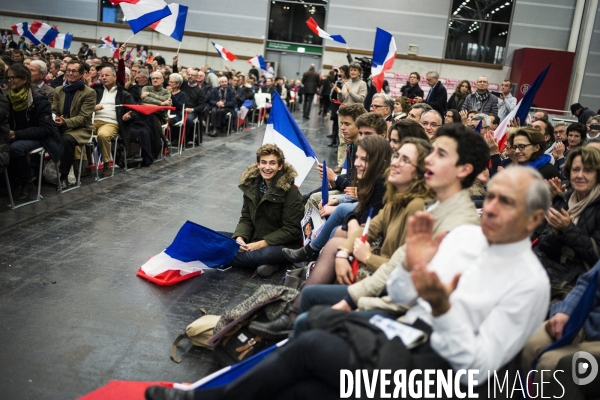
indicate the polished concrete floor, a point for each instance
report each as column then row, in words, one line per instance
column 74, row 316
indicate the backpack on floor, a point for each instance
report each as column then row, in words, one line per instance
column 198, row 332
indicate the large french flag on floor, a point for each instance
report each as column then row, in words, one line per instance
column 313, row 26
column 195, row 248
column 521, row 111
column 174, row 24
column 283, row 131
column 141, row 13
column 384, row 54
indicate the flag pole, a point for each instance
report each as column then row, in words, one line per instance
column 127, row 41
column 178, row 47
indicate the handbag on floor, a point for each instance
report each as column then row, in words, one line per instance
column 198, row 332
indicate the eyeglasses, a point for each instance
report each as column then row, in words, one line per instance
column 431, row 124
column 156, row 78
column 402, row 160
column 12, row 78
column 376, row 106
column 73, row 71
column 521, row 147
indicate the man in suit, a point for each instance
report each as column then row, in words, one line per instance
column 311, row 81
column 222, row 102
column 73, row 105
column 38, row 72
column 437, row 97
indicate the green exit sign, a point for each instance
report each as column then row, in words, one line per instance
column 299, row 48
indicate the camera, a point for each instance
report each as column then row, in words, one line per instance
column 365, row 63
column 339, row 84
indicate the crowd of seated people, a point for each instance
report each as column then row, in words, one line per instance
column 468, row 242
column 86, row 93
column 478, row 282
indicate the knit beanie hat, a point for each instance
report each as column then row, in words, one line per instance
column 575, row 107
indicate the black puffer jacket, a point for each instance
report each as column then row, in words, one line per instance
column 4, row 131
column 582, row 238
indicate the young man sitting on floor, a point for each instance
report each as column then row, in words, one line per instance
column 271, row 213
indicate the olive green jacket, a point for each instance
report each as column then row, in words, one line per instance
column 276, row 217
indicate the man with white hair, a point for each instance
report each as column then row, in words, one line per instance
column 437, row 97
column 431, row 120
column 486, row 122
column 39, row 70
column 383, row 104
column 222, row 102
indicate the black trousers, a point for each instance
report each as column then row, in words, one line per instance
column 217, row 116
column 308, row 99
column 68, row 156
column 307, row 368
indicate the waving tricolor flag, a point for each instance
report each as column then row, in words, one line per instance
column 22, row 29
column 312, row 24
column 141, row 13
column 224, row 53
column 521, row 111
column 43, row 32
column 195, row 248
column 108, row 43
column 384, row 54
column 62, row 41
column 174, row 24
column 283, row 131
column 258, row 62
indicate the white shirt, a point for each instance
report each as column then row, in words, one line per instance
column 109, row 111
column 501, row 300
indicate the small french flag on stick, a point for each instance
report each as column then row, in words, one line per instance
column 312, row 24
column 174, row 24
column 224, row 53
column 195, row 248
column 384, row 54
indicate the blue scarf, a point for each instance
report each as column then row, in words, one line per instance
column 69, row 90
column 540, row 161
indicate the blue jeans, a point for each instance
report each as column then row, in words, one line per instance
column 252, row 259
column 324, row 295
column 336, row 219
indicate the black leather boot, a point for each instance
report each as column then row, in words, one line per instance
column 305, row 253
column 279, row 328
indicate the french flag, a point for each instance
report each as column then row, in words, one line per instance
column 224, row 53
column 107, row 42
column 62, row 41
column 312, row 24
column 22, row 29
column 384, row 54
column 521, row 111
column 258, row 62
column 283, row 131
column 324, row 186
column 43, row 32
column 174, row 24
column 195, row 248
column 142, row 13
